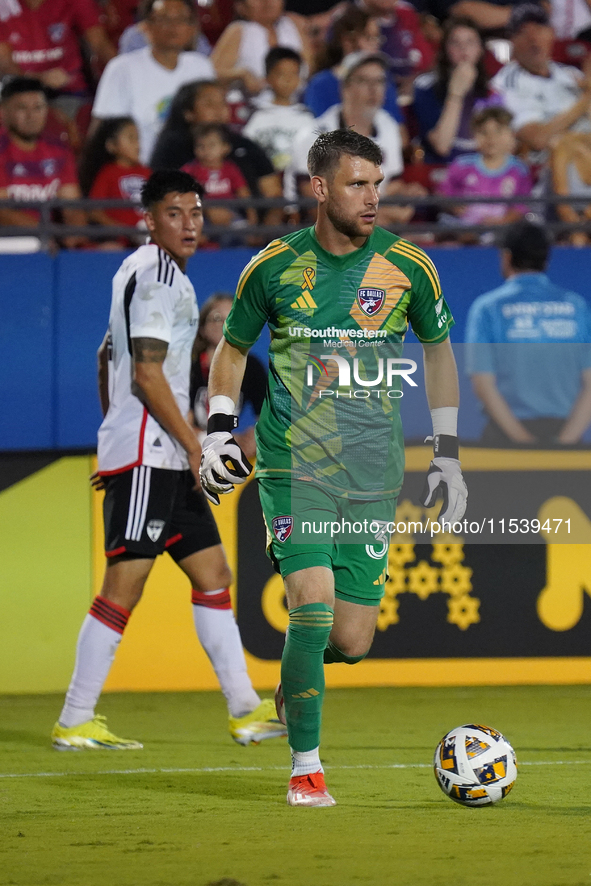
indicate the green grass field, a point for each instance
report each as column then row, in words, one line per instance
column 194, row 809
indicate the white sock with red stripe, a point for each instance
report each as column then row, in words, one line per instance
column 98, row 640
column 219, row 635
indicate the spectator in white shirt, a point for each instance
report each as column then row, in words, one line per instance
column 141, row 84
column 571, row 19
column 240, row 52
column 278, row 121
column 363, row 78
column 545, row 98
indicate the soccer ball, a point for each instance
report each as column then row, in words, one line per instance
column 475, row 765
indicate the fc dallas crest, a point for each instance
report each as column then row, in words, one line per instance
column 282, row 527
column 370, row 300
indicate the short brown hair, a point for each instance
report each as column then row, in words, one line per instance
column 329, row 147
column 500, row 115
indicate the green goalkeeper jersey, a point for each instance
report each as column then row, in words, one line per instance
column 331, row 413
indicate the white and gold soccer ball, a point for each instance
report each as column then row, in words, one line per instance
column 475, row 765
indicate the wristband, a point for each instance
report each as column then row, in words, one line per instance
column 445, row 420
column 219, row 421
column 445, row 446
column 221, row 403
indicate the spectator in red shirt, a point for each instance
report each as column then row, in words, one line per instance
column 110, row 169
column 41, row 38
column 220, row 177
column 33, row 168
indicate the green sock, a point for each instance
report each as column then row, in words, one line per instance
column 332, row 653
column 302, row 673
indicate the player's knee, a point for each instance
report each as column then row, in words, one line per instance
column 218, row 574
column 126, row 598
column 347, row 653
column 124, row 581
column 222, row 577
column 351, row 659
column 213, row 579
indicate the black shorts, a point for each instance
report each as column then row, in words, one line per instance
column 151, row 510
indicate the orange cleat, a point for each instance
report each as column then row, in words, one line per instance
column 309, row 790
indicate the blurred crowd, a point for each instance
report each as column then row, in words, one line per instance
column 467, row 99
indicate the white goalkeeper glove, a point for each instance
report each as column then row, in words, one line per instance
column 445, row 477
column 223, row 463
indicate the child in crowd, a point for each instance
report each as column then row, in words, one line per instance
column 492, row 172
column 220, row 177
column 110, row 169
column 275, row 125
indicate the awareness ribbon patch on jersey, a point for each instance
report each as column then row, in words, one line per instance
column 308, row 274
column 282, row 527
column 370, row 300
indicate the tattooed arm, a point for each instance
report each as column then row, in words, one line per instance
column 151, row 387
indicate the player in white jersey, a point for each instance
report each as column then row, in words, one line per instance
column 153, row 299
column 148, row 463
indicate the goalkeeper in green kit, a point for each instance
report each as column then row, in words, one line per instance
column 338, row 298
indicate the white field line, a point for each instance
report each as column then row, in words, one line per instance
column 203, row 769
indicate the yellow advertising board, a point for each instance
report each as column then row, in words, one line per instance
column 160, row 650
column 454, row 612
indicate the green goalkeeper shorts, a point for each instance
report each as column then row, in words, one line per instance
column 308, row 526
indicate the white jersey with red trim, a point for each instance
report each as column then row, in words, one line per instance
column 152, row 298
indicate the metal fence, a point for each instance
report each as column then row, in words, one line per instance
column 51, row 232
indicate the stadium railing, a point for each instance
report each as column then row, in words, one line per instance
column 50, row 231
